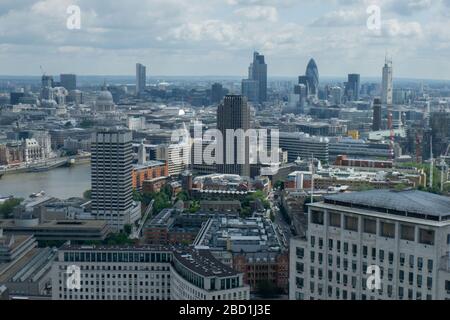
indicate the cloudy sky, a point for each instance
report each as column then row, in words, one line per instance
column 217, row 37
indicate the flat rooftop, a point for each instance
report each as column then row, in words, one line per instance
column 412, row 203
column 204, row 263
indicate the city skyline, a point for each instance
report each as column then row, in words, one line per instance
column 193, row 38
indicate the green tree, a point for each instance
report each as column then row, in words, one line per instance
column 120, row 238
column 279, row 185
column 127, row 229
column 87, row 124
column 87, row 194
column 7, row 207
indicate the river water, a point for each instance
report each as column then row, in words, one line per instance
column 62, row 183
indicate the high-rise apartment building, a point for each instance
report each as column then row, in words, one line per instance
column 400, row 238
column 140, row 78
column 234, row 114
column 387, row 84
column 111, row 178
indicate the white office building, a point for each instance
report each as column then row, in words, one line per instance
column 144, row 273
column 405, row 234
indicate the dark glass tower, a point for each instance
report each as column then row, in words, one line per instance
column 312, row 73
column 353, row 86
column 234, row 114
column 376, row 124
column 258, row 72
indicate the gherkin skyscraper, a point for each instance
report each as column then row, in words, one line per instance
column 312, row 73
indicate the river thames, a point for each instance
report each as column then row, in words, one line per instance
column 63, row 183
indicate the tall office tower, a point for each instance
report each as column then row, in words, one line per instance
column 46, row 81
column 68, row 81
column 258, row 72
column 111, row 178
column 216, row 93
column 140, row 78
column 46, row 87
column 303, row 80
column 336, row 95
column 312, row 73
column 440, row 131
column 302, row 91
column 234, row 113
column 353, row 87
column 387, row 85
column 401, row 236
column 250, row 89
column 376, row 124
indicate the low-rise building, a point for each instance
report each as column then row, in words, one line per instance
column 145, row 273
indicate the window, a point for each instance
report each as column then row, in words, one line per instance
column 300, row 267
column 365, row 251
column 419, row 281
column 335, row 219
column 354, row 250
column 420, row 263
column 370, row 226
column 330, row 244
column 299, row 281
column 351, row 223
column 313, row 241
column 429, row 283
column 300, row 252
column 411, row 261
column 387, row 229
column 401, row 276
column 317, row 217
column 407, row 232
column 381, row 255
column 430, row 265
column 426, row 236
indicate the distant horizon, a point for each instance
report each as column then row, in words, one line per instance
column 212, row 77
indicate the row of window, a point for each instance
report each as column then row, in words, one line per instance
column 369, row 226
column 338, row 293
column 413, row 261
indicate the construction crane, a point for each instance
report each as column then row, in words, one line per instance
column 418, row 149
column 444, row 168
column 391, row 135
column 136, row 234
